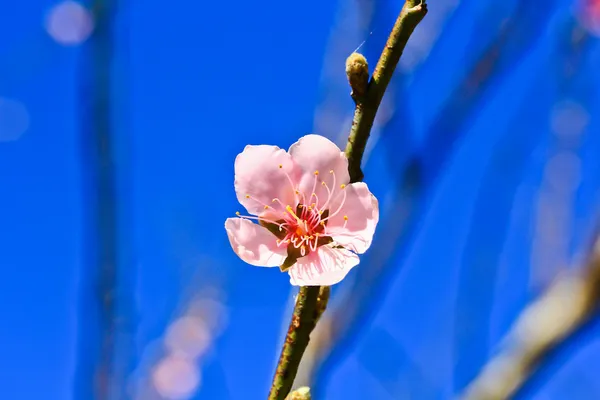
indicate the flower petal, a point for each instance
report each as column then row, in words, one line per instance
column 259, row 178
column 362, row 210
column 254, row 243
column 324, row 267
column 317, row 153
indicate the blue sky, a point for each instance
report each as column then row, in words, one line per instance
column 191, row 84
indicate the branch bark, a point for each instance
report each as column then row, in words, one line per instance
column 312, row 301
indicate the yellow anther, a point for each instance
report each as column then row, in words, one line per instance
column 237, row 213
column 316, row 172
column 345, row 218
column 289, row 209
column 331, row 171
column 266, row 207
column 297, row 191
column 323, row 223
column 320, row 212
column 323, row 183
column 300, row 206
column 313, row 205
column 342, row 186
column 247, row 196
column 280, row 166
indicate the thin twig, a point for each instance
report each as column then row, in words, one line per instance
column 309, row 304
column 366, row 107
column 558, row 314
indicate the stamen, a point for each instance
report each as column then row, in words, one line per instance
column 266, row 206
column 253, row 218
column 276, row 200
column 340, row 206
column 333, row 184
column 316, row 197
column 296, row 192
column 315, row 182
column 289, row 209
column 328, row 194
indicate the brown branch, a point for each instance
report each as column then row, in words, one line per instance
column 312, row 301
column 366, row 107
column 553, row 318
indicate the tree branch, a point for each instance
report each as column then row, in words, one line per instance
column 312, row 301
column 366, row 106
column 558, row 314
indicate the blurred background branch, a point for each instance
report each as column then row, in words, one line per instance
column 569, row 303
column 418, row 177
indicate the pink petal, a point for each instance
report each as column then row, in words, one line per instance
column 325, row 267
column 254, row 243
column 317, row 153
column 362, row 210
column 257, row 174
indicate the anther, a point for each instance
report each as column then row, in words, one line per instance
column 345, row 218
column 316, row 172
column 247, row 196
column 280, row 166
column 237, row 213
column 342, row 186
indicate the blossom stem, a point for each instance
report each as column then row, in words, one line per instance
column 307, row 311
column 312, row 300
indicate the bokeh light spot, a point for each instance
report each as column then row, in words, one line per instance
column 188, row 336
column 588, row 14
column 14, row 119
column 569, row 119
column 176, row 378
column 69, row 23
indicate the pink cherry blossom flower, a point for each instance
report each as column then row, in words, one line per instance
column 307, row 219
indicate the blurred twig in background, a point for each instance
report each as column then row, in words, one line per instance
column 565, row 307
column 572, row 299
column 515, row 36
column 101, row 368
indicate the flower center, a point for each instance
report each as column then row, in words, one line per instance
column 303, row 228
